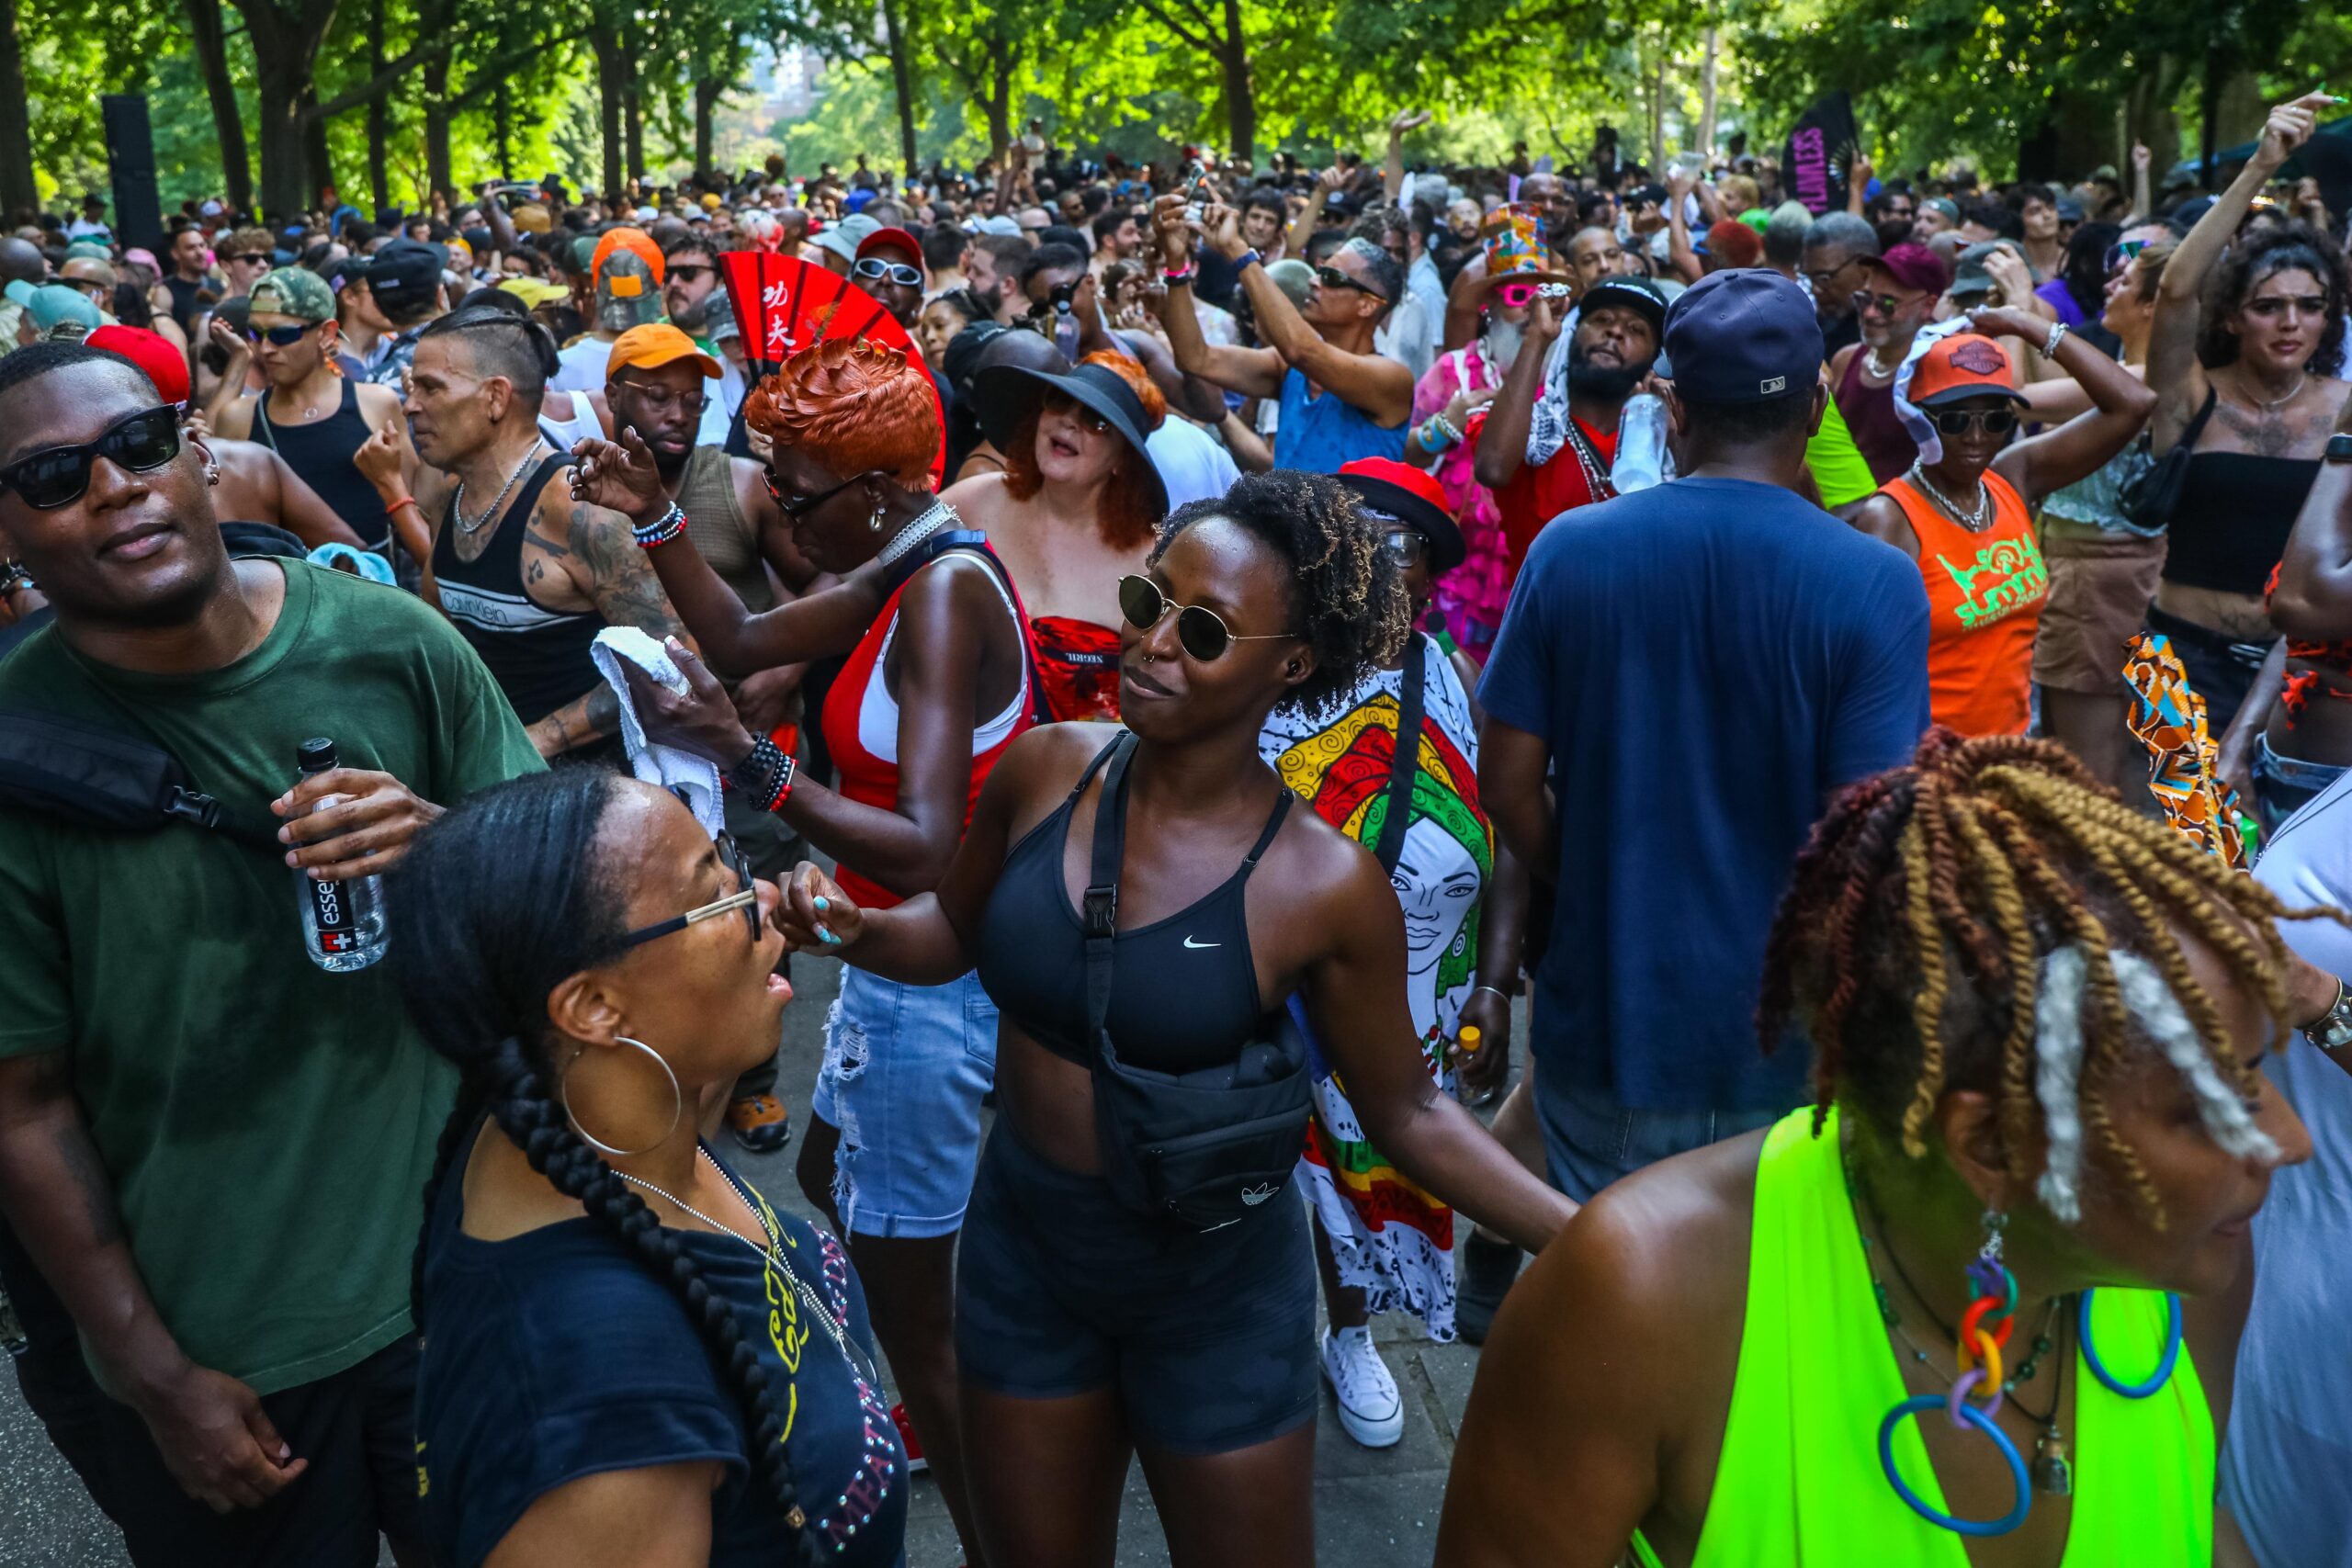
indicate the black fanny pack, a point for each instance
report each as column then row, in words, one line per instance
column 95, row 777
column 1204, row 1148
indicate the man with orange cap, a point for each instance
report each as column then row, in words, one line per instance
column 626, row 273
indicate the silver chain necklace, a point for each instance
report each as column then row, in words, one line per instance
column 1975, row 520
column 940, row 515
column 2302, row 379
column 770, row 1253
column 458, row 501
column 1870, row 363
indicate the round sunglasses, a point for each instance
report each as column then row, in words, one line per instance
column 1202, row 633
column 58, row 477
column 1991, row 422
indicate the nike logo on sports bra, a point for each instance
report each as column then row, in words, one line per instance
column 1190, row 943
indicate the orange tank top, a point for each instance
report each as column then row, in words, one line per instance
column 1984, row 597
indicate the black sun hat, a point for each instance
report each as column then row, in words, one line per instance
column 1004, row 395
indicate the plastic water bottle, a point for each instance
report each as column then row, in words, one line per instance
column 1641, row 444
column 342, row 923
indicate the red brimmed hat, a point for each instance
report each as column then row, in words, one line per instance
column 1390, row 489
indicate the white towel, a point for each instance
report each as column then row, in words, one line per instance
column 696, row 779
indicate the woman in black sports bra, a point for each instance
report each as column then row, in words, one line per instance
column 1086, row 1331
column 2239, row 361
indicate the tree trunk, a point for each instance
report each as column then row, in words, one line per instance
column 19, row 199
column 318, row 158
column 2217, row 70
column 1707, row 93
column 379, row 131
column 902, row 84
column 438, row 169
column 1240, row 92
column 210, row 39
column 1657, row 110
column 1005, row 59
column 503, row 115
column 633, row 115
column 708, row 92
column 286, row 49
column 605, row 41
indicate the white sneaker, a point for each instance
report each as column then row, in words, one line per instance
column 1370, row 1410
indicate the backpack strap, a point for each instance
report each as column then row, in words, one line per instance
column 1100, row 906
column 1406, row 760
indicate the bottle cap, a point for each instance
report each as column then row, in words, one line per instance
column 1469, row 1038
column 315, row 755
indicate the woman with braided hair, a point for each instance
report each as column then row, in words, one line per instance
column 1143, row 908
column 628, row 1356
column 2037, row 1021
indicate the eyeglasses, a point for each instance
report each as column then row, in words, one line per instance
column 877, row 270
column 1406, row 547
column 90, row 286
column 140, row 442
column 2278, row 305
column 1884, row 304
column 1200, row 632
column 801, row 506
column 660, row 400
column 281, row 337
column 1821, row 277
column 1332, row 277
column 1991, row 422
column 1063, row 403
column 745, row 898
column 2121, row 252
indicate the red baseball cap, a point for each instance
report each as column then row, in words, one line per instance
column 1913, row 266
column 1962, row 365
column 884, row 238
column 151, row 352
column 1414, row 497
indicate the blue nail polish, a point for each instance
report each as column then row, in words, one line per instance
column 828, row 938
column 823, row 906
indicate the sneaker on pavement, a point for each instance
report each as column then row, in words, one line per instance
column 761, row 1123
column 915, row 1462
column 1488, row 1267
column 1370, row 1410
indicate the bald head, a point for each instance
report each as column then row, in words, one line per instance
column 21, row 261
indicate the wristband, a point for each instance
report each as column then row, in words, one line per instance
column 765, row 777
column 2057, row 336
column 395, row 505
column 662, row 530
column 1172, row 277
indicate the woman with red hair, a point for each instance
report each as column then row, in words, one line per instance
column 936, row 686
column 1074, row 510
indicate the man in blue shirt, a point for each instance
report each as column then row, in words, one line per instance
column 1684, row 677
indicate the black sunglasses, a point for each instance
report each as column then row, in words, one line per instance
column 1332, row 277
column 1062, row 402
column 281, row 337
column 900, row 273
column 1202, row 633
column 688, row 271
column 57, row 477
column 745, row 898
column 801, row 506
column 1991, row 422
column 251, row 257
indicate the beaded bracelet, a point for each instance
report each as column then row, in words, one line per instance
column 765, row 777
column 663, row 529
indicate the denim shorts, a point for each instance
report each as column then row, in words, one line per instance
column 1590, row 1140
column 2284, row 785
column 905, row 1068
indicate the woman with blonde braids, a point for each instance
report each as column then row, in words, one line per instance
column 1980, row 1305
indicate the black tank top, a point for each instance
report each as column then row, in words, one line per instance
column 538, row 656
column 2231, row 525
column 320, row 453
column 1183, row 989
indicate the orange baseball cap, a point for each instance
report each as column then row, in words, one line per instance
column 654, row 345
column 634, row 240
column 1965, row 365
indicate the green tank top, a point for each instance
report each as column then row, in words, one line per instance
column 1839, row 471
column 1799, row 1481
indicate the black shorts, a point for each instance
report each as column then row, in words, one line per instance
column 1209, row 1335
column 357, row 1427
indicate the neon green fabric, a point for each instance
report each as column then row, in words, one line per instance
column 1799, row 1481
column 1839, row 470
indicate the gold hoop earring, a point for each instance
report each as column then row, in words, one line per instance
column 677, row 1103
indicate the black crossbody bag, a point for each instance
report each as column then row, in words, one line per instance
column 2151, row 496
column 95, row 777
column 1204, row 1148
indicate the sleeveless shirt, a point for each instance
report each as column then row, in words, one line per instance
column 321, row 452
column 1984, row 597
column 538, row 656
column 715, row 523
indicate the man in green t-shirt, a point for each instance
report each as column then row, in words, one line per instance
column 212, row 1150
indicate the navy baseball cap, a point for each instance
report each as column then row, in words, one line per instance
column 1743, row 335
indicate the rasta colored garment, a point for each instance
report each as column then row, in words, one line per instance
column 1984, row 596
column 1078, row 667
column 557, row 1354
column 265, row 1126
column 1799, row 1480
column 1389, row 1236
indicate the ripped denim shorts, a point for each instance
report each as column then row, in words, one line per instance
column 905, row 1068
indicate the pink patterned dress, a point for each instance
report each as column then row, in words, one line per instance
column 1471, row 597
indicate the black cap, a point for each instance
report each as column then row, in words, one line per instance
column 405, row 272
column 1635, row 294
column 315, row 755
column 1742, row 335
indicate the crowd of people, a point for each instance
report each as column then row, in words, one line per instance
column 1248, row 644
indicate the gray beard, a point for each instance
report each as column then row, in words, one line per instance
column 1502, row 341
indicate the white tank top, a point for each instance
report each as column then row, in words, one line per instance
column 877, row 713
column 564, row 433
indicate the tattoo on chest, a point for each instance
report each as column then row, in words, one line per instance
column 2261, row 434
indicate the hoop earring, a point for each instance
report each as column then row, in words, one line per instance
column 213, row 473
column 873, row 524
column 677, row 1104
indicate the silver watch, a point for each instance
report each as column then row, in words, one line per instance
column 2332, row 1029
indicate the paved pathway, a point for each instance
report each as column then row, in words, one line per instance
column 1372, row 1510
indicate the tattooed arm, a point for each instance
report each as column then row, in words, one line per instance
column 595, row 550
column 55, row 1192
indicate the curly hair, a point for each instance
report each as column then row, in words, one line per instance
column 1124, row 513
column 1347, row 598
column 854, row 406
column 1992, row 918
column 498, row 901
column 2263, row 251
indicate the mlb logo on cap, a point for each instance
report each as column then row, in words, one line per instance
column 1770, row 385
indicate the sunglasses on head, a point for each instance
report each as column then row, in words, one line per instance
column 1202, row 633
column 281, row 337
column 1331, row 277
column 139, row 442
column 2121, row 252
column 877, row 270
column 1991, row 422
column 1062, row 402
column 798, row 507
column 745, row 898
